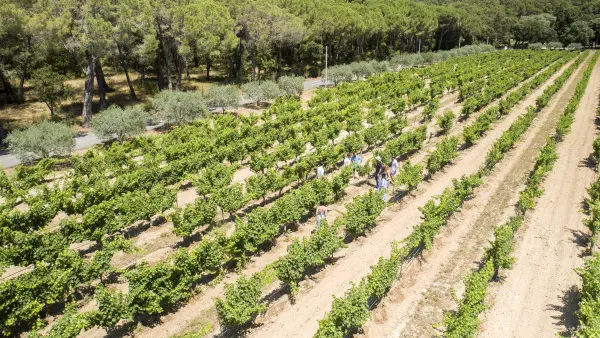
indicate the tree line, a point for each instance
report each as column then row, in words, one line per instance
column 254, row 39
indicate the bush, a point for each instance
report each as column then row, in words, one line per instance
column 41, row 140
column 222, row 97
column 381, row 66
column 362, row 70
column 575, row 45
column 339, row 74
column 554, row 45
column 536, row 46
column 446, row 121
column 258, row 91
column 119, row 123
column 177, row 107
column 291, row 85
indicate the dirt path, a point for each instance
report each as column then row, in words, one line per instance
column 301, row 319
column 536, row 298
column 416, row 303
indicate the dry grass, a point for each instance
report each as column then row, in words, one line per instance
column 20, row 115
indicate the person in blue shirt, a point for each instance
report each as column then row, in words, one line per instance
column 356, row 162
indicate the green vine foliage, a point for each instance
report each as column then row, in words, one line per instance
column 241, row 302
column 202, row 212
column 310, row 253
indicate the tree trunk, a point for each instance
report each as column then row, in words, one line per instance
column 88, row 91
column 2, row 132
column 187, row 70
column 51, row 109
column 20, row 95
column 253, row 72
column 164, row 46
column 208, row 64
column 7, row 87
column 238, row 60
column 126, row 70
column 278, row 62
column 101, row 76
column 179, row 70
column 20, row 91
column 168, row 62
column 441, row 39
column 101, row 88
column 160, row 78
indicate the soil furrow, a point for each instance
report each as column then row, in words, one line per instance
column 538, row 297
column 353, row 263
column 416, row 303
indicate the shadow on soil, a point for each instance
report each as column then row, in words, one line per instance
column 567, row 308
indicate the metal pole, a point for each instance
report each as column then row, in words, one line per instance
column 325, row 65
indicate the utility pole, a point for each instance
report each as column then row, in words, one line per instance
column 325, row 65
column 419, row 46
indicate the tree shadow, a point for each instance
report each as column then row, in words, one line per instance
column 588, row 162
column 567, row 308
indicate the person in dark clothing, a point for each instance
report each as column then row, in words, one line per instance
column 378, row 170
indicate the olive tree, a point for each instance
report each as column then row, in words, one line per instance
column 291, row 85
column 176, row 107
column 222, row 97
column 119, row 123
column 41, row 140
column 258, row 91
column 49, row 87
column 339, row 74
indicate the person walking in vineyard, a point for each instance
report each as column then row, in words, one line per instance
column 383, row 183
column 347, row 160
column 393, row 168
column 378, row 170
column 321, row 214
column 320, row 171
column 356, row 161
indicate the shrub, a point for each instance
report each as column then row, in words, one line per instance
column 554, row 45
column 381, row 66
column 177, row 107
column 258, row 91
column 339, row 74
column 222, row 97
column 119, row 123
column 41, row 140
column 291, row 85
column 536, row 46
column 575, row 45
column 362, row 70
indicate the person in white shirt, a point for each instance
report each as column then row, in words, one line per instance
column 321, row 214
column 394, row 168
column 347, row 160
column 320, row 171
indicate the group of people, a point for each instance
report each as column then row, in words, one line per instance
column 383, row 175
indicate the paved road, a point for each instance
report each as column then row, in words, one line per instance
column 89, row 140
